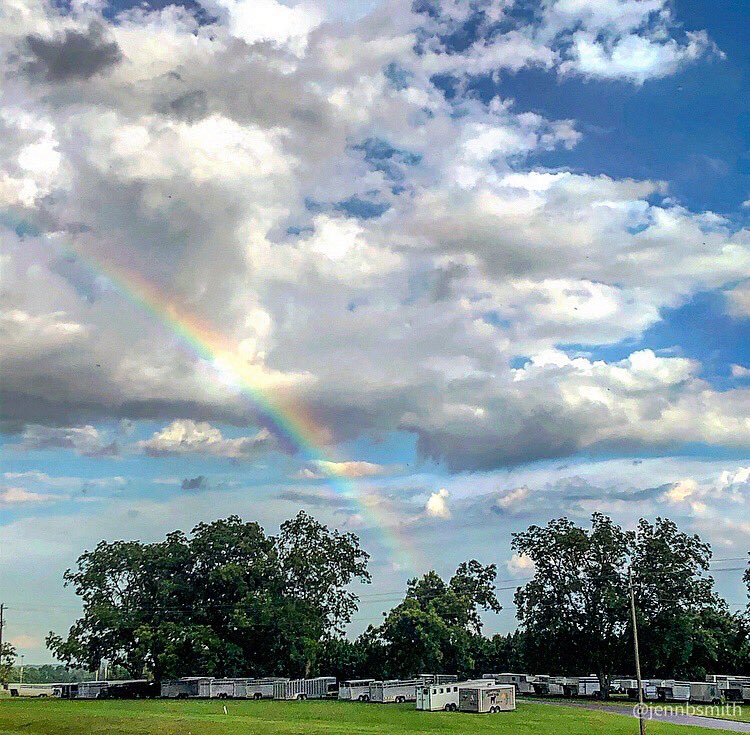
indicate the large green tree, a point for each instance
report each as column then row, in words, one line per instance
column 434, row 627
column 225, row 600
column 573, row 612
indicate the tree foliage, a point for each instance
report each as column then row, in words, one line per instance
column 203, row 603
column 7, row 661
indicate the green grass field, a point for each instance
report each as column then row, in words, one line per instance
column 55, row 717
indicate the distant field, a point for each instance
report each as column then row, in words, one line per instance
column 55, row 717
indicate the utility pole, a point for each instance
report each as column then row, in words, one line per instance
column 641, row 721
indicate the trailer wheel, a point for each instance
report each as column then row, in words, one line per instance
column 257, row 695
column 302, row 697
column 365, row 697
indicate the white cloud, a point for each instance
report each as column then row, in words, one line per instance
column 437, row 505
column 520, row 564
column 84, row 440
column 351, row 469
column 185, row 436
column 10, row 496
column 739, row 371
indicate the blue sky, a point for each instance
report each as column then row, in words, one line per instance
column 495, row 253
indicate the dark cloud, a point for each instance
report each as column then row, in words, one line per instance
column 190, row 106
column 73, row 55
column 196, row 483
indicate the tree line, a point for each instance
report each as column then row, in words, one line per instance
column 230, row 600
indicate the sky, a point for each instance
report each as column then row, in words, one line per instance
column 432, row 272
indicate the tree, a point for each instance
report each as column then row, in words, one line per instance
column 226, row 600
column 7, row 660
column 573, row 612
column 433, row 628
column 683, row 624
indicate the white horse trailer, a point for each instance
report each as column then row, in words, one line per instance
column 437, row 697
column 355, row 690
column 745, row 693
column 260, row 688
column 394, row 690
column 493, row 698
column 32, row 690
column 318, row 688
column 522, row 682
column 705, row 692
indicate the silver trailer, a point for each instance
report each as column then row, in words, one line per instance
column 669, row 690
column 224, row 688
column 92, row 689
column 437, row 678
column 395, row 690
column 355, row 690
column 32, row 690
column 493, row 698
column 522, row 682
column 546, row 686
column 588, row 686
column 318, row 688
column 259, row 688
column 630, row 687
column 189, row 687
column 730, row 685
column 705, row 692
column 444, row 697
column 568, row 684
column 745, row 693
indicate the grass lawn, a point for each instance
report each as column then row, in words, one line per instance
column 158, row 717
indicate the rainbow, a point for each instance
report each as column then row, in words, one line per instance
column 289, row 420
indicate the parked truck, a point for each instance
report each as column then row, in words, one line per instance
column 394, row 690
column 355, row 690
column 436, row 697
column 482, row 699
column 318, row 688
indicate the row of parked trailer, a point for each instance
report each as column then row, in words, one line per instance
column 429, row 691
column 716, row 688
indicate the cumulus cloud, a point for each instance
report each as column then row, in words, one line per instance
column 437, row 505
column 185, row 436
column 84, row 440
column 358, row 242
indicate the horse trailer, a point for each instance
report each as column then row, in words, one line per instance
column 92, row 690
column 482, row 699
column 588, row 686
column 670, row 690
column 188, row 687
column 394, row 690
column 437, row 678
column 318, row 688
column 32, row 690
column 705, row 692
column 522, row 682
column 355, row 690
column 630, row 687
column 259, row 688
column 436, row 697
column 730, row 686
column 547, row 686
